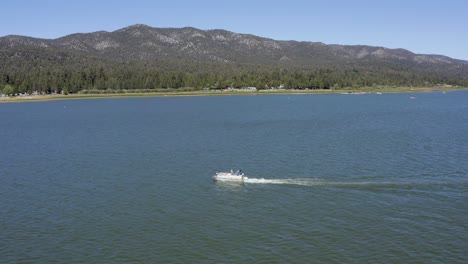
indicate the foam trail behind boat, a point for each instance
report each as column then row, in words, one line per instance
column 298, row 181
column 318, row 182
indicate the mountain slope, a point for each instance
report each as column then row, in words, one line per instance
column 194, row 50
column 146, row 43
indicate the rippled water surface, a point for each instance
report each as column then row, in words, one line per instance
column 332, row 178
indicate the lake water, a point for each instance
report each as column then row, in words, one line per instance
column 347, row 178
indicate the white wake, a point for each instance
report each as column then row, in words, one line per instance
column 320, row 182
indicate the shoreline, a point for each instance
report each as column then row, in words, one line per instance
column 59, row 97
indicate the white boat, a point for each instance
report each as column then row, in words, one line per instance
column 237, row 176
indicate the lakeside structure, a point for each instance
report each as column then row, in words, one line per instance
column 218, row 92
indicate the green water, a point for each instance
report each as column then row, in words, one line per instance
column 346, row 178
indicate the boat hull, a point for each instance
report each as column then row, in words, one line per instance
column 228, row 177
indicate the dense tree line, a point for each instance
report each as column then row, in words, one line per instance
column 217, row 59
column 119, row 76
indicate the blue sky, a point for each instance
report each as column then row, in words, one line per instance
column 431, row 26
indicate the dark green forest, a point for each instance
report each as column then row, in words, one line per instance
column 194, row 76
column 140, row 58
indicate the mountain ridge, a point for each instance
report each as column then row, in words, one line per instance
column 157, row 37
column 194, row 53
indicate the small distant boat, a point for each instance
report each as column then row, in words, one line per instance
column 237, row 176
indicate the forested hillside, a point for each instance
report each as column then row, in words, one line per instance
column 142, row 57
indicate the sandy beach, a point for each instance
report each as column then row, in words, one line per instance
column 38, row 98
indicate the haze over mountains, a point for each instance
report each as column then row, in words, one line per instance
column 199, row 51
